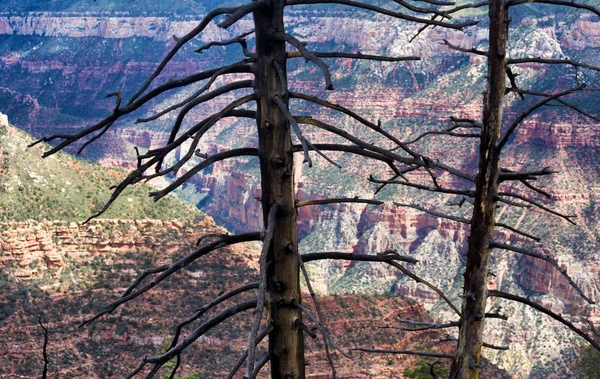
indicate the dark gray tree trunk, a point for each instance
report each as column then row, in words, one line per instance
column 466, row 362
column 286, row 345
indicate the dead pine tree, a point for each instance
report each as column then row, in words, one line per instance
column 491, row 179
column 279, row 314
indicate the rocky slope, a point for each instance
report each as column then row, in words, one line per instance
column 53, row 75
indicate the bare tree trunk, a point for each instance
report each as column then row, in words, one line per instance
column 466, row 362
column 286, row 345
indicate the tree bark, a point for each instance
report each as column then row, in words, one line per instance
column 466, row 362
column 286, row 343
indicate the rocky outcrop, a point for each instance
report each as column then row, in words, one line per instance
column 26, row 245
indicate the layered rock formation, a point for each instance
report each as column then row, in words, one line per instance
column 23, row 245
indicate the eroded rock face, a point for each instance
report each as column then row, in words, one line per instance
column 26, row 245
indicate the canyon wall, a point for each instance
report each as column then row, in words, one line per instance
column 62, row 65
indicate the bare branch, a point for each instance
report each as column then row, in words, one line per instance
column 241, row 40
column 464, row 123
column 452, row 191
column 68, row 139
column 467, row 6
column 561, row 101
column 308, row 56
column 552, row 61
column 248, row 151
column 535, row 189
column 355, row 116
column 160, row 360
column 416, row 9
column 443, row 133
column 515, row 230
column 309, row 331
column 432, row 326
column 284, row 108
column 418, row 279
column 197, row 131
column 356, row 150
column 44, row 349
column 358, row 55
column 532, row 109
column 199, row 313
column 199, row 100
column 526, row 175
column 387, row 256
column 320, row 318
column 498, row 245
column 559, row 318
column 464, row 50
column 263, row 361
column 240, row 361
column 168, row 269
column 236, row 15
column 423, row 161
column 406, row 352
column 326, row 333
column 338, row 200
column 180, row 42
column 438, row 2
column 538, row 205
column 567, row 3
column 435, row 213
column 387, row 12
column 464, row 220
column 262, row 289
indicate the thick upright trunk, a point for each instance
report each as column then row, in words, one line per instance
column 286, row 344
column 466, row 362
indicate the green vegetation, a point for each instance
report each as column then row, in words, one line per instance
column 65, row 188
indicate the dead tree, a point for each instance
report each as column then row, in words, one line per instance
column 278, row 289
column 494, row 132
